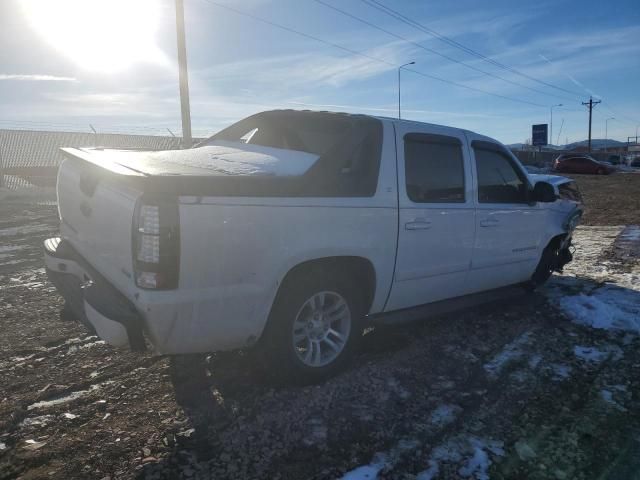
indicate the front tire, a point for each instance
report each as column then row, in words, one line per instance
column 546, row 266
column 315, row 326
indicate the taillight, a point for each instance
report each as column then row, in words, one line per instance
column 156, row 243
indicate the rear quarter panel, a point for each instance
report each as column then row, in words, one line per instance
column 235, row 252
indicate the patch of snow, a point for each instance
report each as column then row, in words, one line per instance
column 605, row 299
column 608, row 308
column 534, row 361
column 368, row 472
column 66, row 398
column 444, row 414
column 40, row 421
column 560, row 371
column 510, row 352
column 607, row 396
column 3, row 446
column 595, row 356
column 381, row 461
column 473, row 452
column 430, row 473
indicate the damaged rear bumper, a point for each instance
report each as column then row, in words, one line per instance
column 91, row 297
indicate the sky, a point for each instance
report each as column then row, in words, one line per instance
column 494, row 67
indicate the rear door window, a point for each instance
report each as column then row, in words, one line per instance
column 434, row 168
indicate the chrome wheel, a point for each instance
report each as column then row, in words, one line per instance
column 321, row 329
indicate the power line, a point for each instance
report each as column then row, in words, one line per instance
column 402, row 18
column 626, row 119
column 365, row 55
column 435, row 52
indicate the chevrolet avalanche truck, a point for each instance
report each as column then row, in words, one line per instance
column 294, row 230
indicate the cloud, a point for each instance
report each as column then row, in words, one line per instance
column 309, row 69
column 585, row 54
column 36, row 78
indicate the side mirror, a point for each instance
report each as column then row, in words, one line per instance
column 544, row 192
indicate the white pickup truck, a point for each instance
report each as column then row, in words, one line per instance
column 294, row 229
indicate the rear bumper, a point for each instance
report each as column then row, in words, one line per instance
column 91, row 297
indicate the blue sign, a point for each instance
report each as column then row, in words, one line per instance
column 539, row 134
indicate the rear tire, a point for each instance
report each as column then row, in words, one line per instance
column 315, row 326
column 600, row 171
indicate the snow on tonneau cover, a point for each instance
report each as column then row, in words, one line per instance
column 98, row 190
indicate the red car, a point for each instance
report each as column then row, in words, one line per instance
column 569, row 163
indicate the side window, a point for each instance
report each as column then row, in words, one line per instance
column 434, row 168
column 498, row 180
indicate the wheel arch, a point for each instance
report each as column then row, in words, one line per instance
column 360, row 269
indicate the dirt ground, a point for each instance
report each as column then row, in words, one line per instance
column 525, row 388
column 610, row 199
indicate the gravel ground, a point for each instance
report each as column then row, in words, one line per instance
column 545, row 385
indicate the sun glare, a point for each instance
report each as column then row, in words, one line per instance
column 99, row 35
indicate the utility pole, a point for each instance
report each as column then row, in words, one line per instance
column 590, row 104
column 183, row 77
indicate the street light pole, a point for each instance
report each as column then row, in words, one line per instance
column 606, row 132
column 399, row 69
column 551, row 122
column 183, row 76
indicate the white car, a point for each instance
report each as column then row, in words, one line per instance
column 293, row 230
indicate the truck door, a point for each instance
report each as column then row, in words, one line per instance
column 509, row 229
column 436, row 215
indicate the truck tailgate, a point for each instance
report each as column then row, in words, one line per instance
column 96, row 215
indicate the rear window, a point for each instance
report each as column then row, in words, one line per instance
column 348, row 147
column 434, row 168
column 311, row 133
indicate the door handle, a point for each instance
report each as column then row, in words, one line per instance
column 417, row 225
column 489, row 222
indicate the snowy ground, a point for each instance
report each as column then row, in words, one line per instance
column 541, row 386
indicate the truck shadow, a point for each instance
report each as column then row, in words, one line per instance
column 220, row 391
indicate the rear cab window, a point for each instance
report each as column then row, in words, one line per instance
column 434, row 168
column 348, row 148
